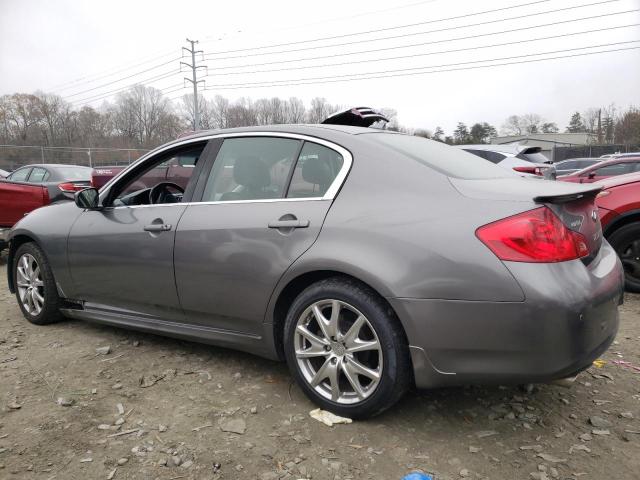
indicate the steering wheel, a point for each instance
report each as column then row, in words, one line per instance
column 160, row 192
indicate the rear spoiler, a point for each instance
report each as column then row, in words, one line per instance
column 531, row 150
column 356, row 117
column 568, row 197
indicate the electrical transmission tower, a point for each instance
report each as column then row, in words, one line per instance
column 194, row 80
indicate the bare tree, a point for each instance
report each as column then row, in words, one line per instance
column 530, row 122
column 512, row 126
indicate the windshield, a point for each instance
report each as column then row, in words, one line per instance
column 75, row 173
column 450, row 161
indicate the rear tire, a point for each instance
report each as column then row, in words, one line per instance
column 358, row 364
column 626, row 243
column 35, row 286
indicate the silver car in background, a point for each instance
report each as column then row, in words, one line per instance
column 369, row 260
column 524, row 160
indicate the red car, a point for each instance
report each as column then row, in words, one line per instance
column 619, row 208
column 605, row 169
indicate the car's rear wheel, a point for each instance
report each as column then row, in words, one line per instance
column 35, row 286
column 346, row 349
column 626, row 242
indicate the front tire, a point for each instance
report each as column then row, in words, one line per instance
column 626, row 243
column 346, row 348
column 35, row 286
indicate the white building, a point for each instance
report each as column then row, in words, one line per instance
column 546, row 141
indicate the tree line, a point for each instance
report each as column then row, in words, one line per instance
column 142, row 117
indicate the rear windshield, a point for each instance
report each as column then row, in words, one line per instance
column 450, row 161
column 533, row 157
column 74, row 173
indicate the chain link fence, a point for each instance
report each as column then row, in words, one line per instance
column 15, row 156
column 590, row 151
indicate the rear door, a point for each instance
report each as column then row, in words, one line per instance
column 261, row 205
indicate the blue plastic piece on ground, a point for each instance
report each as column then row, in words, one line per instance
column 418, row 476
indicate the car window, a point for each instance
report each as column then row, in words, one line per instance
column 20, row 175
column 251, row 168
column 316, row 169
column 74, row 173
column 568, row 165
column 38, row 175
column 533, row 157
column 447, row 160
column 616, row 169
column 135, row 191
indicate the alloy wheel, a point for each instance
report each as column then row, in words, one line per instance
column 338, row 351
column 30, row 284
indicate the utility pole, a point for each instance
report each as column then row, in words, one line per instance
column 194, row 80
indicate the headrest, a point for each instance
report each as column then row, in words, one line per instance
column 317, row 171
column 251, row 172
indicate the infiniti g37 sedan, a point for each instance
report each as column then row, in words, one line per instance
column 369, row 260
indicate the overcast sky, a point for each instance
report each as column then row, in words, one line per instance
column 83, row 49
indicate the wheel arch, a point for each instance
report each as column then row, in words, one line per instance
column 622, row 221
column 15, row 242
column 294, row 286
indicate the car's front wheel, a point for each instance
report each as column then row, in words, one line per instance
column 626, row 243
column 346, row 348
column 35, row 286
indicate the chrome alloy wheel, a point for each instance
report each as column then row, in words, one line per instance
column 30, row 285
column 338, row 351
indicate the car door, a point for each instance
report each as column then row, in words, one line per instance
column 121, row 256
column 260, row 207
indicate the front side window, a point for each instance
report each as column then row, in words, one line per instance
column 20, row 175
column 316, row 169
column 38, row 175
column 612, row 170
column 163, row 181
column 251, row 168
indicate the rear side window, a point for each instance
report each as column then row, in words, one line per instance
column 493, row 157
column 447, row 160
column 533, row 157
column 316, row 169
column 251, row 168
column 38, row 175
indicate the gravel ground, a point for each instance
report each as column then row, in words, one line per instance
column 155, row 407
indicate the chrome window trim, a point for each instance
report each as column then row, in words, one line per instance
column 329, row 194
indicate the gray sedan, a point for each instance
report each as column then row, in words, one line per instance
column 369, row 260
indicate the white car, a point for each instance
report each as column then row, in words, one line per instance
column 4, row 173
column 526, row 160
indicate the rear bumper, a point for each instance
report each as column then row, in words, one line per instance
column 569, row 317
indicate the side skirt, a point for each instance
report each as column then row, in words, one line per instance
column 253, row 344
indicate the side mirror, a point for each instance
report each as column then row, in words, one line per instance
column 592, row 175
column 87, row 198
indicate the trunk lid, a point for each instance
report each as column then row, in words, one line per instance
column 573, row 203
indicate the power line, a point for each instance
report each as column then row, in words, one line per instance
column 393, row 37
column 455, row 50
column 84, row 80
column 432, row 42
column 102, row 95
column 345, row 35
column 120, row 79
column 395, row 72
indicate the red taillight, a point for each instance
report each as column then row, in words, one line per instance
column 69, row 187
column 532, row 170
column 534, row 236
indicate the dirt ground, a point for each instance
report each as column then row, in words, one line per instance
column 160, row 408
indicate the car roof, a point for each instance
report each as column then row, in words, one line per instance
column 581, row 159
column 605, row 163
column 52, row 165
column 619, row 180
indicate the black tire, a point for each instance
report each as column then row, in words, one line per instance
column 50, row 311
column 383, row 326
column 626, row 243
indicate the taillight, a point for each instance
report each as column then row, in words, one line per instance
column 532, row 170
column 69, row 187
column 534, row 236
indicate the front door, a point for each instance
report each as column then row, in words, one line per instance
column 261, row 207
column 121, row 257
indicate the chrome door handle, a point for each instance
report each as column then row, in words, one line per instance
column 157, row 227
column 289, row 224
